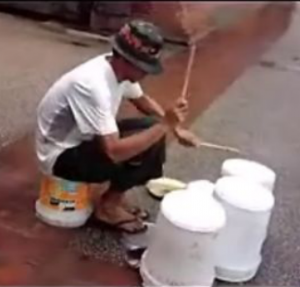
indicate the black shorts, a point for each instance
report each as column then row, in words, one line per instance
column 88, row 163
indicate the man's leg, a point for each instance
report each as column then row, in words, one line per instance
column 139, row 169
column 87, row 163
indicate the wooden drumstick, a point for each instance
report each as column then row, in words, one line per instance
column 184, row 95
column 188, row 72
column 220, row 147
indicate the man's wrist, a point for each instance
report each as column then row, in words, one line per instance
column 160, row 115
column 165, row 122
column 164, row 126
column 175, row 130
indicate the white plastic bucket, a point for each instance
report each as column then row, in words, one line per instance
column 181, row 250
column 250, row 169
column 63, row 203
column 238, row 247
column 147, row 279
column 201, row 187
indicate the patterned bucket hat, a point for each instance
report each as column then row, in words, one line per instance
column 140, row 43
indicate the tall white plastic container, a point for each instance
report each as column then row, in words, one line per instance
column 238, row 247
column 180, row 252
column 250, row 169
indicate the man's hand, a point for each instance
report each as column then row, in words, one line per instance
column 186, row 137
column 176, row 114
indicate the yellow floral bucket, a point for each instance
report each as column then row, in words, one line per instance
column 64, row 203
column 64, row 195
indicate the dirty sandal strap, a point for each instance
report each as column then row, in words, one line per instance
column 143, row 214
column 119, row 226
column 122, row 227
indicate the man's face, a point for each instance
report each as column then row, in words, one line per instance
column 133, row 73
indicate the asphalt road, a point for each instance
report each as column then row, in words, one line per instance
column 258, row 114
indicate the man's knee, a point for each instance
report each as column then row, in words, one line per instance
column 150, row 121
column 133, row 125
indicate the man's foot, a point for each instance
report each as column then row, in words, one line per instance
column 140, row 213
column 120, row 219
column 98, row 190
column 111, row 212
column 133, row 209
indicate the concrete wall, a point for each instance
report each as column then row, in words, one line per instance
column 64, row 10
column 179, row 20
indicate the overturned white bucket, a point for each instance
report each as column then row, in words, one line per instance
column 238, row 247
column 201, row 187
column 250, row 169
column 181, row 250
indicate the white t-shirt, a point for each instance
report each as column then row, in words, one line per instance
column 81, row 104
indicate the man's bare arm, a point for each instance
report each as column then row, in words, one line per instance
column 148, row 106
column 121, row 149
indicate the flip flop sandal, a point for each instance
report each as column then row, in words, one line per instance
column 118, row 226
column 142, row 214
column 133, row 257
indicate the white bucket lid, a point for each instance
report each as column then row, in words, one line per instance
column 193, row 213
column 244, row 193
column 248, row 168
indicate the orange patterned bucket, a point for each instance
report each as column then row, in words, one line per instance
column 64, row 203
column 64, row 195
